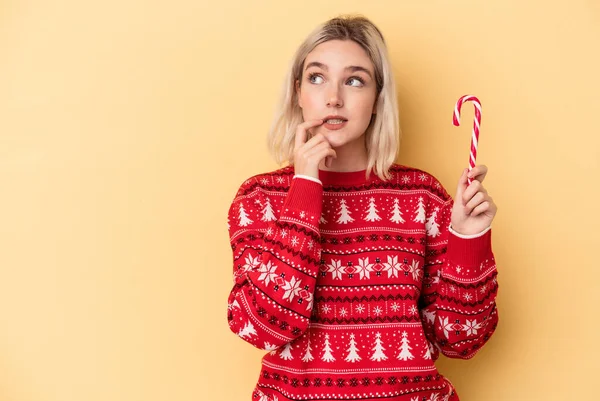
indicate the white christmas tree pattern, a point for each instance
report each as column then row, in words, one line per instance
column 247, row 330
column 270, row 347
column 405, row 353
column 267, row 211
column 307, row 354
column 286, row 353
column 322, row 219
column 344, row 213
column 352, row 351
column 429, row 316
column 420, row 217
column 396, row 213
column 431, row 226
column 372, row 211
column 327, row 355
column 428, row 350
column 244, row 219
column 378, row 349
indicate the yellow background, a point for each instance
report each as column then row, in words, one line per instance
column 127, row 126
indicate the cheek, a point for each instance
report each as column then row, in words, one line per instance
column 309, row 103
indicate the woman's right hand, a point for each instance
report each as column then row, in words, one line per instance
column 308, row 154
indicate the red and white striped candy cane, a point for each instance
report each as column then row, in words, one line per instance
column 476, row 125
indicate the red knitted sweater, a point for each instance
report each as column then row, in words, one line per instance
column 354, row 286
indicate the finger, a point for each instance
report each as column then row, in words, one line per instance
column 488, row 207
column 462, row 185
column 301, row 131
column 478, row 173
column 475, row 201
column 318, row 155
column 481, row 208
column 328, row 161
column 315, row 149
column 471, row 190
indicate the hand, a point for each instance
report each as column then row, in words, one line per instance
column 473, row 209
column 308, row 154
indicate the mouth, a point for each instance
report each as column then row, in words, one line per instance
column 333, row 123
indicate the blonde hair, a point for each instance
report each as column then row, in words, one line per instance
column 383, row 133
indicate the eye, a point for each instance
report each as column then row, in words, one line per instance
column 358, row 81
column 313, row 77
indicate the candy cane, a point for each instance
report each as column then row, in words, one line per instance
column 476, row 125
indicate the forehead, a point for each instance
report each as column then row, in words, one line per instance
column 338, row 54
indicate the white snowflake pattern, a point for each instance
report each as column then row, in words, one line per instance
column 360, row 308
column 325, row 309
column 302, row 214
column 264, row 181
column 294, row 241
column 336, row 269
column 269, row 232
column 364, row 268
column 483, row 289
column 251, row 263
column 405, row 179
column 413, row 310
column 452, row 288
column 343, row 312
column 291, row 288
column 267, row 272
column 471, row 327
column 392, row 266
column 458, row 269
column 283, row 233
column 279, row 180
column 378, row 310
column 423, row 177
column 310, row 244
column 416, row 271
column 395, row 306
column 468, row 297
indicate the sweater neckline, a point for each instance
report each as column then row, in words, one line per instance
column 344, row 177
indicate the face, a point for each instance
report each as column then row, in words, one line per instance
column 338, row 80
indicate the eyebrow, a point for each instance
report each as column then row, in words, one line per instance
column 352, row 68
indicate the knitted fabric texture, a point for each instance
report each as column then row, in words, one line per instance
column 354, row 286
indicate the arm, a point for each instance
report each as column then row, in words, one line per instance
column 275, row 262
column 458, row 299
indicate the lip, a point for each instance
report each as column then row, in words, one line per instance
column 335, row 118
column 334, row 127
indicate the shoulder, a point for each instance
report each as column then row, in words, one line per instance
column 411, row 178
column 275, row 180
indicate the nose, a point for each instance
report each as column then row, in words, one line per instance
column 334, row 97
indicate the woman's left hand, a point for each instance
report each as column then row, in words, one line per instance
column 474, row 209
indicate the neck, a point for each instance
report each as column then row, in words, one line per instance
column 350, row 157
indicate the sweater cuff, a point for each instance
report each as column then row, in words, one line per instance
column 470, row 252
column 305, row 195
column 308, row 177
column 468, row 236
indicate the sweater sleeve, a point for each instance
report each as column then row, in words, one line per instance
column 275, row 261
column 458, row 298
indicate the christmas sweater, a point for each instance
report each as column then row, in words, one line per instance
column 355, row 286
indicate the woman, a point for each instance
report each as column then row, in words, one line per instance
column 352, row 271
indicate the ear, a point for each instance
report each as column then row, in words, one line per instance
column 297, row 85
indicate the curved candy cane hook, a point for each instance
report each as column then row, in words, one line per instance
column 476, row 125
